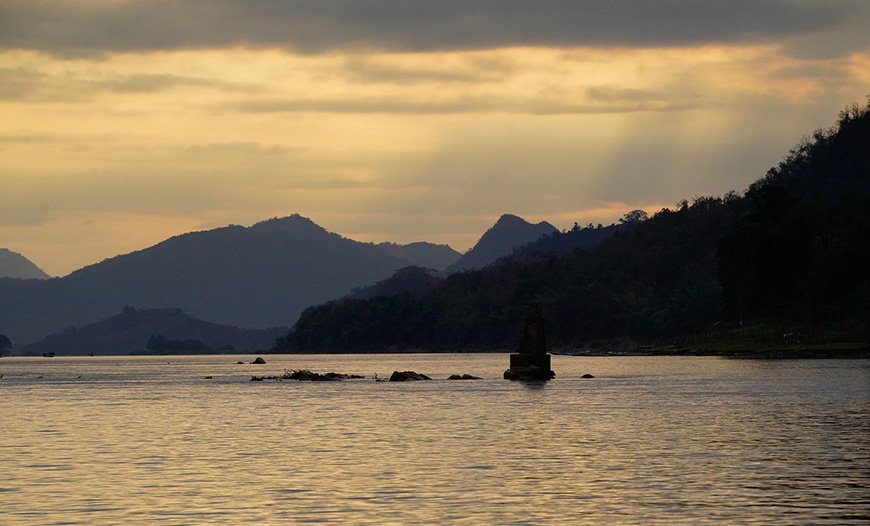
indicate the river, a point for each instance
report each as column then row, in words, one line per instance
column 649, row 440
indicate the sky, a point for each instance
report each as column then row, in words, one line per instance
column 124, row 122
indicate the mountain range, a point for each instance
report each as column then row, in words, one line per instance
column 254, row 277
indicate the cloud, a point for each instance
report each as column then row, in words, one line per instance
column 360, row 104
column 601, row 100
column 150, row 83
column 20, row 83
column 89, row 27
column 236, row 148
column 322, row 184
column 27, row 83
column 28, row 138
column 427, row 69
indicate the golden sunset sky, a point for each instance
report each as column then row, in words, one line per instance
column 124, row 122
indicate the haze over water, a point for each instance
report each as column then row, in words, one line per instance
column 669, row 440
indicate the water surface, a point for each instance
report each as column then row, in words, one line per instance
column 666, row 440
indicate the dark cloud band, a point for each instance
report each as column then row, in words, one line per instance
column 70, row 27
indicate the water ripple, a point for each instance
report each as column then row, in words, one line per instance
column 648, row 441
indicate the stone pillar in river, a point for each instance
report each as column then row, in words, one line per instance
column 531, row 362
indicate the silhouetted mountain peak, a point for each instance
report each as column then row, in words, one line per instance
column 508, row 233
column 510, row 220
column 514, row 225
column 263, row 275
column 14, row 265
column 295, row 226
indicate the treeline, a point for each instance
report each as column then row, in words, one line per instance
column 794, row 250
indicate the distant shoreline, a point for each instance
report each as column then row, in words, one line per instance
column 760, row 352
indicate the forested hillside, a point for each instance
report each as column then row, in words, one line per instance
column 793, row 250
column 802, row 250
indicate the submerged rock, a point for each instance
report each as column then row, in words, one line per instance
column 407, row 376
column 304, row 375
column 463, row 377
column 587, row 375
column 259, row 360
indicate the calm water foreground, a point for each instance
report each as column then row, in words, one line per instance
column 669, row 440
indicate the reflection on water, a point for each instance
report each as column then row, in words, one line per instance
column 151, row 440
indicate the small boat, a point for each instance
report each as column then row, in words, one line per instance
column 48, row 355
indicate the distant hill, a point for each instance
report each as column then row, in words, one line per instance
column 422, row 254
column 131, row 330
column 14, row 265
column 257, row 277
column 509, row 232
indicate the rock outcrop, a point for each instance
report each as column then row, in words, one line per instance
column 407, row 376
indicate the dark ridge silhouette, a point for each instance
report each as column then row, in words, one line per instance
column 412, row 280
column 786, row 261
column 509, row 233
column 802, row 250
column 828, row 166
column 155, row 330
column 14, row 265
column 260, row 276
column 559, row 244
